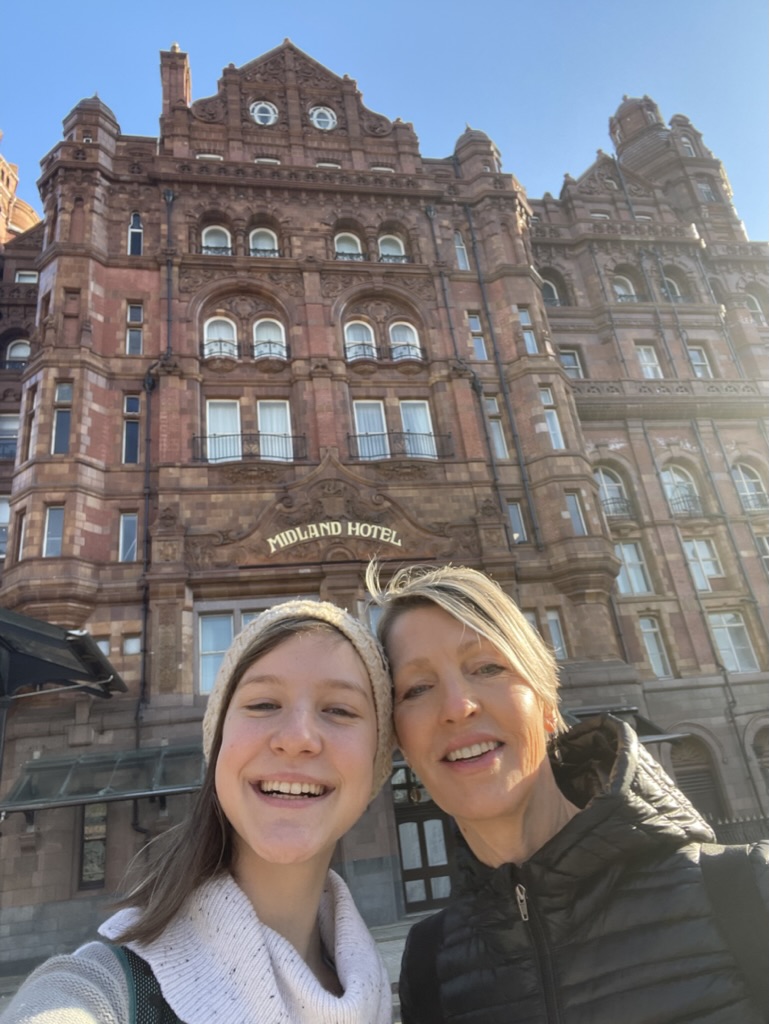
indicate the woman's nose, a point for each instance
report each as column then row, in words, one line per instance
column 296, row 732
column 458, row 699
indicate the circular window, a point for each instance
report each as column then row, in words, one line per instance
column 264, row 113
column 323, row 118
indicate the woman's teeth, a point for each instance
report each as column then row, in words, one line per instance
column 465, row 753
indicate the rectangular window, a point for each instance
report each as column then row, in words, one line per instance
column 732, row 641
column 274, row 423
column 517, row 524
column 134, row 344
column 419, row 439
column 576, row 515
column 700, row 362
column 131, row 409
column 494, row 418
column 93, row 847
column 54, row 531
column 5, row 518
column 129, row 532
column 62, row 418
column 9, row 436
column 529, row 337
column 476, row 336
column 551, row 417
column 225, row 443
column 703, row 561
column 555, row 628
column 26, row 277
column 649, row 362
column 371, row 430
column 463, row 263
column 763, row 547
column 21, row 529
column 633, row 577
column 215, row 634
column 655, row 647
column 103, row 644
column 132, row 645
column 29, row 424
column 571, row 362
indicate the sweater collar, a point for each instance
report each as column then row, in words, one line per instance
column 216, row 961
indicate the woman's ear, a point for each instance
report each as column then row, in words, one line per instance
column 550, row 721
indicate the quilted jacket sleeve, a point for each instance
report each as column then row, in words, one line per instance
column 418, row 987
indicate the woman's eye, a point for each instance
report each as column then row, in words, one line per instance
column 489, row 668
column 411, row 692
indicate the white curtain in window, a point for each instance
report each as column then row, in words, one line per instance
column 224, row 439
column 275, row 430
column 371, row 429
column 405, row 342
column 419, row 440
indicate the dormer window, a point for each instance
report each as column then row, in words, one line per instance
column 263, row 242
column 323, row 118
column 264, row 112
column 216, row 242
column 348, row 247
column 391, row 250
column 687, row 146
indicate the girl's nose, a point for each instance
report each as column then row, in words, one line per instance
column 296, row 732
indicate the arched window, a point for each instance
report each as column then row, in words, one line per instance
column 706, row 190
column 263, row 242
column 359, row 341
column 269, row 340
column 220, row 338
column 750, row 488
column 756, row 309
column 624, row 290
column 391, row 250
column 404, row 342
column 550, row 293
column 672, row 290
column 348, row 247
column 460, row 249
column 687, row 146
column 216, row 241
column 17, row 355
column 681, row 491
column 696, row 777
column 614, row 499
column 135, row 235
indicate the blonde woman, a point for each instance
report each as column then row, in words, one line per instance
column 240, row 921
column 580, row 896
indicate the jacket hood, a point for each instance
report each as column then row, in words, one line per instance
column 630, row 808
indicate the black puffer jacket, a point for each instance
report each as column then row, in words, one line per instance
column 619, row 929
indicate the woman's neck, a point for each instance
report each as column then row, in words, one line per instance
column 513, row 839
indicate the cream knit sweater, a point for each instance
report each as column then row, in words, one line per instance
column 218, row 964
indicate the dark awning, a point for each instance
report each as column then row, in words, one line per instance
column 106, row 776
column 36, row 654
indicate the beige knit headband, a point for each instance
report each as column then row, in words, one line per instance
column 362, row 640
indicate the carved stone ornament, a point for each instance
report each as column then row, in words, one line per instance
column 332, row 285
column 210, row 110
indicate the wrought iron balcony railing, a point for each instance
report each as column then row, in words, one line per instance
column 350, row 257
column 757, row 501
column 403, row 351
column 685, row 505
column 271, row 350
column 360, row 350
column 266, row 253
column 393, row 258
column 219, row 348
column 399, row 444
column 617, row 508
column 216, row 250
column 244, row 447
column 13, row 364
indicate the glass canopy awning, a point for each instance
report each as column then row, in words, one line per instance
column 106, row 776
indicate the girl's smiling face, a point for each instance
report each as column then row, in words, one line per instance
column 295, row 768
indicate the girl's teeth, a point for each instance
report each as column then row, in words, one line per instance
column 292, row 788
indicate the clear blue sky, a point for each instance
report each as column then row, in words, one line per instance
column 541, row 78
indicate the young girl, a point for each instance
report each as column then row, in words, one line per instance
column 240, row 920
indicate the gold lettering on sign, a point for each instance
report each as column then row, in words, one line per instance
column 333, row 528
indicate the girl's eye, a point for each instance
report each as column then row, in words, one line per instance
column 342, row 712
column 262, row 705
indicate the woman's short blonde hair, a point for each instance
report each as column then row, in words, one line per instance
column 478, row 602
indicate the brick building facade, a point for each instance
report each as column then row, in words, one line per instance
column 277, row 340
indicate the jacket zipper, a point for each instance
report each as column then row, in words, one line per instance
column 527, row 908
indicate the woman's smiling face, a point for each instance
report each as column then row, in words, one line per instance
column 295, row 768
column 473, row 731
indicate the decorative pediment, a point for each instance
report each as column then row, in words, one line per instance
column 603, row 178
column 332, row 514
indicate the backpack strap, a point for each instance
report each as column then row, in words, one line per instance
column 741, row 914
column 146, row 1004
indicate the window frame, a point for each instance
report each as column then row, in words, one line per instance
column 477, row 336
column 631, row 569
column 460, row 251
column 135, row 246
column 131, row 431
column 269, row 349
column 658, row 659
column 732, row 651
column 271, row 110
column 651, row 368
column 280, row 444
column 517, row 522
column 222, row 348
column 53, row 535
column 698, row 365
column 576, row 513
column 426, row 446
column 377, row 443
column 359, row 349
column 209, row 249
column 493, row 416
column 263, row 250
column 552, row 419
column 128, row 544
column 400, row 350
column 703, row 561
column 134, row 335
column 61, row 431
